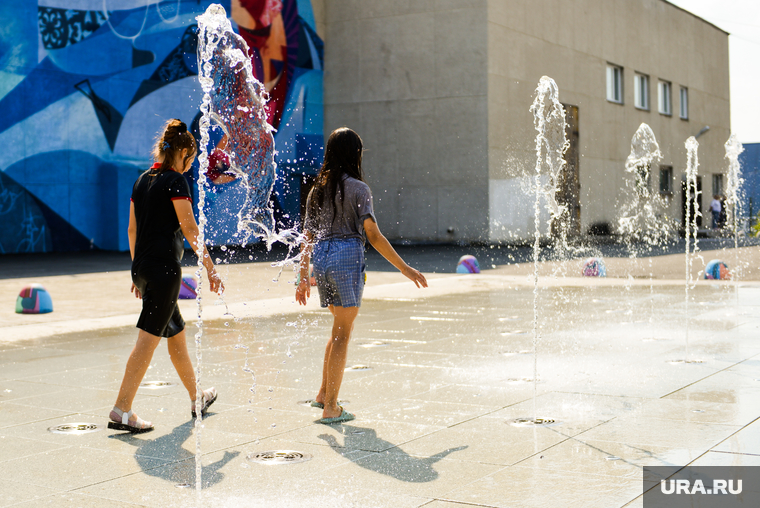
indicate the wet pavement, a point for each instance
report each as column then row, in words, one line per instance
column 438, row 376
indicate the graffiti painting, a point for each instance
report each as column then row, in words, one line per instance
column 86, row 84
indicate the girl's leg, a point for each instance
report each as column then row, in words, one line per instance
column 137, row 366
column 181, row 361
column 343, row 325
column 321, row 394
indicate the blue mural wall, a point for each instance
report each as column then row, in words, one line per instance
column 750, row 165
column 83, row 92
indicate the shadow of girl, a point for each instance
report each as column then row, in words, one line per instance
column 181, row 466
column 396, row 463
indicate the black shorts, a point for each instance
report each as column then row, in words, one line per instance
column 159, row 282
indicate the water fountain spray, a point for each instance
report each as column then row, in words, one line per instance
column 551, row 144
column 692, row 215
column 642, row 221
column 734, row 183
column 234, row 101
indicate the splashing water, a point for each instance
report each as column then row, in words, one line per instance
column 734, row 183
column 692, row 215
column 551, row 144
column 235, row 101
column 642, row 220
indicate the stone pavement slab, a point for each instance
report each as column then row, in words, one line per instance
column 448, row 369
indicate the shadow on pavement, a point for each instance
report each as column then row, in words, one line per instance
column 397, row 464
column 181, row 469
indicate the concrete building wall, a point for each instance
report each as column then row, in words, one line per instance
column 410, row 78
column 440, row 91
column 573, row 42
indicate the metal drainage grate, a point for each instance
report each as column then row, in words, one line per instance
column 308, row 402
column 513, row 332
column 532, row 422
column 155, row 385
column 278, row 457
column 75, row 428
column 354, row 368
column 374, row 343
column 678, row 362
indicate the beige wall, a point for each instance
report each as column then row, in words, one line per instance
column 440, row 91
column 409, row 77
column 572, row 42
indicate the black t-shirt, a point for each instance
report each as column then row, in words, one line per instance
column 158, row 231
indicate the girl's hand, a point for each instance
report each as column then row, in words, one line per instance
column 215, row 282
column 303, row 291
column 135, row 291
column 415, row 276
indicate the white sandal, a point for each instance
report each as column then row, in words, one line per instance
column 139, row 427
column 208, row 398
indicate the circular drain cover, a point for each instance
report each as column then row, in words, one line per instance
column 308, row 402
column 358, row 367
column 374, row 343
column 278, row 457
column 75, row 428
column 154, row 385
column 532, row 422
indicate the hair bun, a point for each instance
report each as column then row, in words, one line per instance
column 182, row 127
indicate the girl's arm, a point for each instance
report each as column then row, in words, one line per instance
column 184, row 210
column 132, row 234
column 303, row 291
column 381, row 245
column 132, row 229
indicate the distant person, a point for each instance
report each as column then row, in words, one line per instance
column 160, row 213
column 339, row 214
column 716, row 208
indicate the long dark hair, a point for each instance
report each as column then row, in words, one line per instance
column 173, row 139
column 343, row 156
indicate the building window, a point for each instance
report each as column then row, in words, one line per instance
column 666, row 180
column 684, row 104
column 614, row 83
column 664, row 98
column 717, row 184
column 641, row 91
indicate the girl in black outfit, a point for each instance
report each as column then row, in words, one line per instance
column 160, row 214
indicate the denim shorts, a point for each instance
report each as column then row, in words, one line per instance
column 339, row 271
